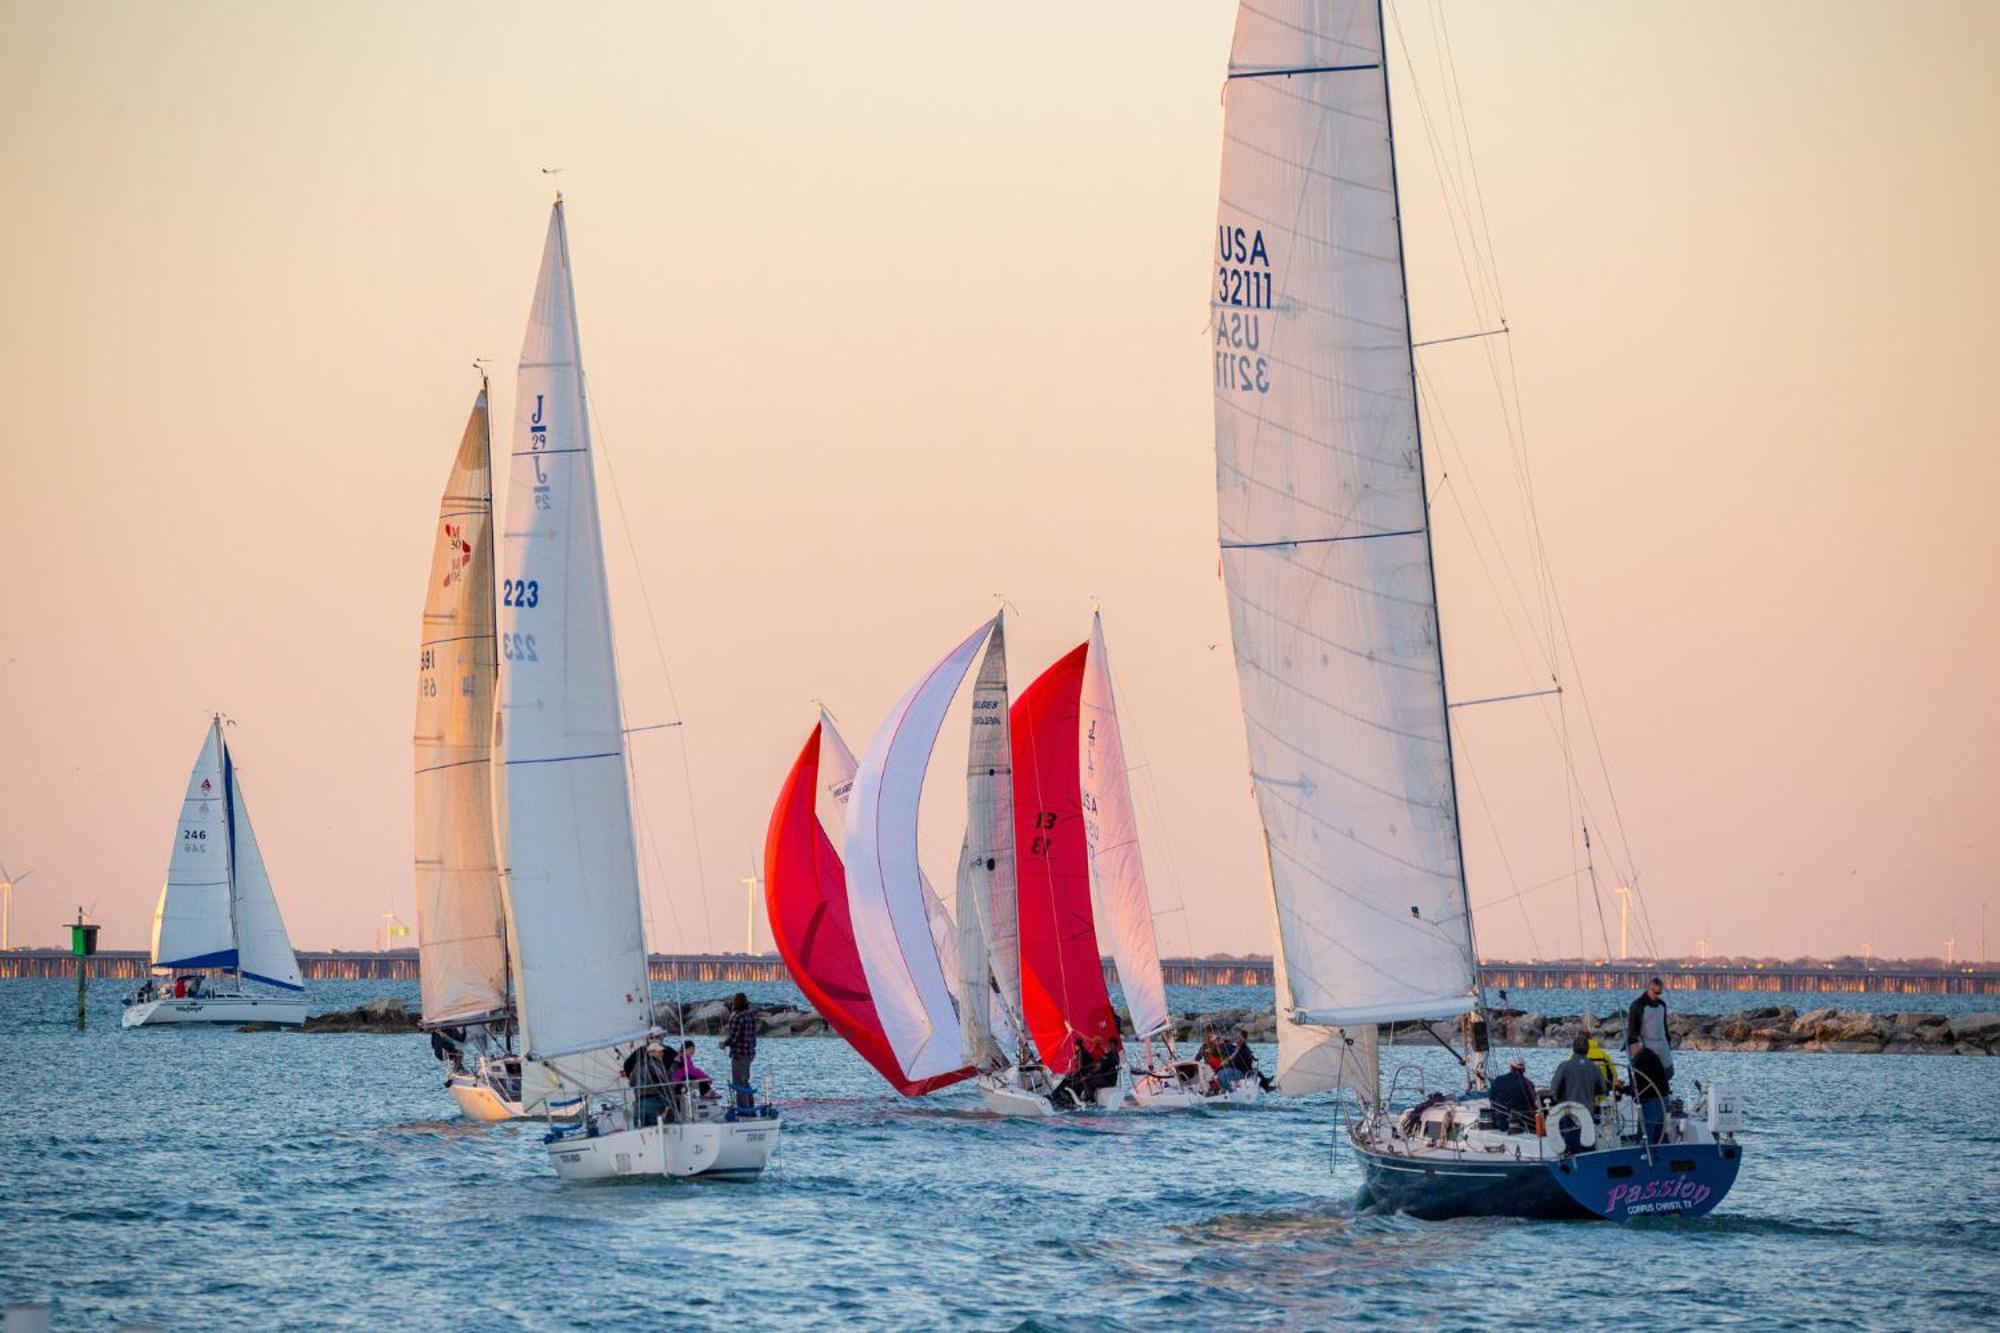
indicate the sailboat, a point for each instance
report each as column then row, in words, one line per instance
column 1122, row 906
column 576, row 930
column 805, row 897
column 461, row 915
column 217, row 913
column 1327, row 564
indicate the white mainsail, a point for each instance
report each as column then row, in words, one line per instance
column 1321, row 1059
column 989, row 931
column 572, row 879
column 194, row 923
column 217, row 908
column 885, row 887
column 1324, row 527
column 1123, row 909
column 836, row 779
column 461, row 915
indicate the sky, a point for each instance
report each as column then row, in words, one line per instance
column 893, row 309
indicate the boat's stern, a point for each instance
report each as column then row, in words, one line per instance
column 726, row 1149
column 1666, row 1180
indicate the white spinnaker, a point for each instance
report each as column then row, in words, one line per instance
column 1120, row 903
column 263, row 949
column 1325, row 550
column 572, row 879
column 461, row 918
column 885, row 887
column 192, row 924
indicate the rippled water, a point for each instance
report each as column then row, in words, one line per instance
column 226, row 1180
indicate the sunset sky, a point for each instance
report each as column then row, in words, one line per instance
column 891, row 308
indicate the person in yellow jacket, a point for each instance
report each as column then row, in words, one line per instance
column 1598, row 1056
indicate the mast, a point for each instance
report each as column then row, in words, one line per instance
column 1430, row 547
column 229, row 862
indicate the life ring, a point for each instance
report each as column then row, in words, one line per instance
column 1586, row 1125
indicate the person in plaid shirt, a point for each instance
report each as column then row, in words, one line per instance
column 740, row 1040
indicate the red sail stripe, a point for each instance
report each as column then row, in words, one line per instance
column 805, row 896
column 1062, row 973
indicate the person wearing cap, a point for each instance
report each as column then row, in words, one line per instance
column 646, row 1073
column 1579, row 1080
column 1513, row 1095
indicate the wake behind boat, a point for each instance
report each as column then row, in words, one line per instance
column 217, row 914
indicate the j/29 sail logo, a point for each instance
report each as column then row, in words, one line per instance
column 538, row 430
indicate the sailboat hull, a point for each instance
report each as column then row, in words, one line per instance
column 1165, row 1090
column 286, row 1011
column 717, row 1149
column 1617, row 1184
column 477, row 1100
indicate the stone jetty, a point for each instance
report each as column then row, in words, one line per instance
column 1770, row 1028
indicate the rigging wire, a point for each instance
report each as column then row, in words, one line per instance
column 660, row 654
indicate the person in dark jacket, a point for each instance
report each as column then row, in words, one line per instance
column 1513, row 1096
column 1244, row 1060
column 646, row 1074
column 1646, row 1024
column 1579, row 1080
column 1652, row 1080
column 740, row 1040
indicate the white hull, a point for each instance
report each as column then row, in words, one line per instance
column 720, row 1148
column 287, row 1010
column 1009, row 1093
column 1164, row 1090
column 478, row 1101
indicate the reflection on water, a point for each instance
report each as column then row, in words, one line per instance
column 242, row 1180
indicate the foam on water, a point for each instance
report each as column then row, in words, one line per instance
column 229, row 1180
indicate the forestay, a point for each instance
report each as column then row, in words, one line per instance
column 885, row 886
column 1124, row 910
column 1325, row 548
column 461, row 922
column 571, row 875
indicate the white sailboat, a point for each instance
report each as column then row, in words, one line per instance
column 582, row 995
column 1327, row 562
column 1011, row 1080
column 461, row 913
column 217, row 913
column 1123, row 909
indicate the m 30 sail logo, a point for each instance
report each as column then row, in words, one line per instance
column 458, row 552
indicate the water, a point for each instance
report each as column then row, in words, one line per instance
column 227, row 1180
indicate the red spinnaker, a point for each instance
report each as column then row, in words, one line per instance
column 1062, row 974
column 805, row 896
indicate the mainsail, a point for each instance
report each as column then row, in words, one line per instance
column 217, row 908
column 1324, row 527
column 1124, row 910
column 572, row 878
column 461, row 916
column 885, row 886
column 1062, row 973
column 805, row 895
column 989, row 939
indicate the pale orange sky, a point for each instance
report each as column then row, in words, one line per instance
column 888, row 308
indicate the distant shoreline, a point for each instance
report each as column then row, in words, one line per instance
column 1844, row 976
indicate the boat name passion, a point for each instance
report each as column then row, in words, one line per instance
column 1242, row 294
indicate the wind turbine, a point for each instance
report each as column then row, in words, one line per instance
column 7, row 883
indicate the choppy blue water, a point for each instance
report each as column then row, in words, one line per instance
column 224, row 1180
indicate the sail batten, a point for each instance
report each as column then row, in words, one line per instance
column 1324, row 529
column 461, row 916
column 576, row 928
